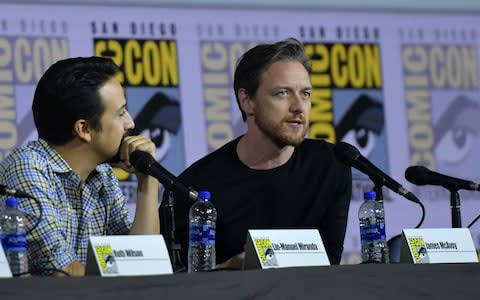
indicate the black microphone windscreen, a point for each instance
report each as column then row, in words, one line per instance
column 141, row 160
column 416, row 175
column 345, row 152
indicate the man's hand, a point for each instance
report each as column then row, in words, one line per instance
column 130, row 144
column 75, row 268
column 235, row 262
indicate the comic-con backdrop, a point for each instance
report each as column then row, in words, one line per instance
column 403, row 88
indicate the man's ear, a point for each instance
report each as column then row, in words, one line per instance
column 246, row 102
column 82, row 130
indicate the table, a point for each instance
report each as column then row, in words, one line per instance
column 369, row 281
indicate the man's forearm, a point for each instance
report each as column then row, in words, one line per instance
column 146, row 219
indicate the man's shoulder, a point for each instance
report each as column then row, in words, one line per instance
column 319, row 151
column 23, row 165
column 216, row 159
column 319, row 146
column 32, row 153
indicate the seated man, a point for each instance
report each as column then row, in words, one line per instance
column 80, row 113
column 271, row 177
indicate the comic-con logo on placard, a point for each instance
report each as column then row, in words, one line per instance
column 418, row 249
column 265, row 252
column 106, row 258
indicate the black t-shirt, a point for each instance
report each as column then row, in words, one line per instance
column 311, row 190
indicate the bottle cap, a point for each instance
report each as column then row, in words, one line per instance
column 369, row 195
column 12, row 202
column 204, row 195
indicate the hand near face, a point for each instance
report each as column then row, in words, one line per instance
column 130, row 144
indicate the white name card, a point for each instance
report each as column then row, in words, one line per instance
column 4, row 266
column 437, row 245
column 280, row 248
column 127, row 255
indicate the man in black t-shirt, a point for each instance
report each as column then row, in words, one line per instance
column 271, row 177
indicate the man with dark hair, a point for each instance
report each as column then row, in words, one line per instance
column 271, row 177
column 80, row 113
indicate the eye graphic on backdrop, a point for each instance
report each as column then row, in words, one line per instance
column 455, row 130
column 159, row 119
column 361, row 124
column 361, row 138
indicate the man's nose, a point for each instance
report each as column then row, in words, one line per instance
column 298, row 103
column 130, row 123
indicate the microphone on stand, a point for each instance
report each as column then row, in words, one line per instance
column 421, row 175
column 167, row 215
column 350, row 156
column 145, row 163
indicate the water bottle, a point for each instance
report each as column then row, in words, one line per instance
column 371, row 217
column 201, row 249
column 13, row 235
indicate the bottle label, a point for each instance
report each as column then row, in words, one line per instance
column 16, row 242
column 202, row 234
column 371, row 231
column 381, row 227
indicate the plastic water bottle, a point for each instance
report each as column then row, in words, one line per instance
column 201, row 250
column 13, row 235
column 371, row 217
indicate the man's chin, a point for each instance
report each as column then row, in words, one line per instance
column 294, row 138
column 289, row 140
column 297, row 141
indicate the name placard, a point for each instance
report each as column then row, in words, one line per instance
column 127, row 255
column 280, row 248
column 4, row 266
column 437, row 245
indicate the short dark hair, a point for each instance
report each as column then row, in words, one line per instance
column 69, row 91
column 255, row 61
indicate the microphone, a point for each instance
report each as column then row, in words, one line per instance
column 4, row 190
column 350, row 156
column 421, row 175
column 146, row 164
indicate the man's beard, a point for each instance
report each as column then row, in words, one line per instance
column 276, row 133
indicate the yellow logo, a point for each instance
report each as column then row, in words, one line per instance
column 418, row 250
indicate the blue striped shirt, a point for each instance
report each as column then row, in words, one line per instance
column 71, row 211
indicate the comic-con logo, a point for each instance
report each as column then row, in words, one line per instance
column 442, row 105
column 347, row 96
column 23, row 60
column 150, row 75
